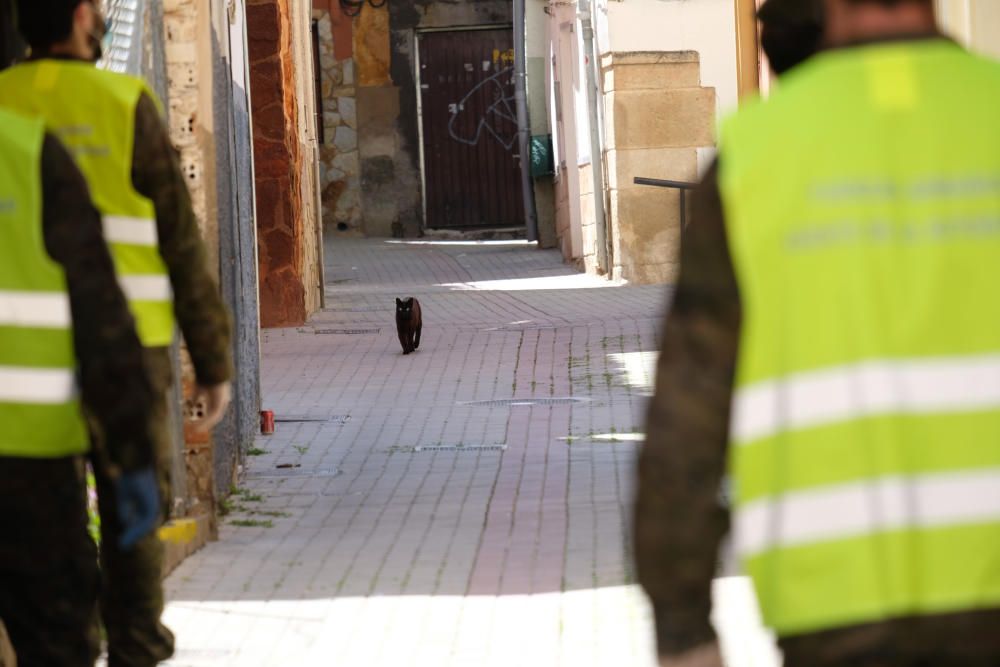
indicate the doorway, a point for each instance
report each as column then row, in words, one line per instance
column 469, row 130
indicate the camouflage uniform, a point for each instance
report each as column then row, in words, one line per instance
column 131, row 591
column 48, row 563
column 679, row 519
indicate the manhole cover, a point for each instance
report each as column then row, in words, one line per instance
column 519, row 402
column 294, row 472
column 299, row 419
column 359, row 309
column 460, row 448
column 346, row 332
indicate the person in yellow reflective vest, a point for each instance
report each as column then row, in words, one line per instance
column 66, row 338
column 832, row 342
column 112, row 126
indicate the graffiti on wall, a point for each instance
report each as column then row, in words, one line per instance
column 497, row 119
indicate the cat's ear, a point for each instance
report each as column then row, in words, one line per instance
column 409, row 302
column 399, row 302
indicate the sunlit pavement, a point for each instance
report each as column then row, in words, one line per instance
column 464, row 505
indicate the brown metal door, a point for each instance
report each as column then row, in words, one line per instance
column 470, row 130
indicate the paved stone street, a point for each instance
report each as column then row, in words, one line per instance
column 464, row 505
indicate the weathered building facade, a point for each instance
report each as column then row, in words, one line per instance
column 665, row 72
column 394, row 146
column 206, row 93
column 658, row 74
column 289, row 226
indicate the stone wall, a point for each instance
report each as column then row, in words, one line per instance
column 277, row 162
column 658, row 117
column 340, row 167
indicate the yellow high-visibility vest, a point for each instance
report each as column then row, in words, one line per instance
column 93, row 113
column 863, row 208
column 39, row 410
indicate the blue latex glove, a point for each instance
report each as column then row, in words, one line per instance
column 138, row 505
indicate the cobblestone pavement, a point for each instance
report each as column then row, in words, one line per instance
column 464, row 505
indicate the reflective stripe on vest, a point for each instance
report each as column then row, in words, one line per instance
column 130, row 231
column 39, row 409
column 865, row 234
column 874, row 505
column 31, row 309
column 37, row 385
column 875, row 387
column 100, row 136
column 146, row 288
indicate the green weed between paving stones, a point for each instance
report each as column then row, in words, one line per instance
column 257, row 451
column 252, row 523
column 226, row 507
column 246, row 495
column 234, row 505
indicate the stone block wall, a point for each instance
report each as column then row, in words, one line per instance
column 658, row 117
column 340, row 167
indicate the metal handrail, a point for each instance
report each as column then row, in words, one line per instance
column 683, row 186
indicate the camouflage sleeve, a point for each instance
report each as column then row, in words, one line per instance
column 201, row 314
column 113, row 381
column 679, row 521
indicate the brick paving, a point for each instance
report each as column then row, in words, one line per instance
column 426, row 520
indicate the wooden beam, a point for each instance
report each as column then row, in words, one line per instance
column 747, row 48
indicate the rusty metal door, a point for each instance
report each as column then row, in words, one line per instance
column 471, row 170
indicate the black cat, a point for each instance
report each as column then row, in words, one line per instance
column 408, row 323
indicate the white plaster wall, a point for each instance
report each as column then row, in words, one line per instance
column 705, row 26
column 975, row 23
column 563, row 35
column 986, row 27
column 536, row 36
column 538, row 63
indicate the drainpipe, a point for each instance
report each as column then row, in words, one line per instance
column 523, row 128
column 596, row 150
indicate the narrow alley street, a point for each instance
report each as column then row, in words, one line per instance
column 465, row 505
